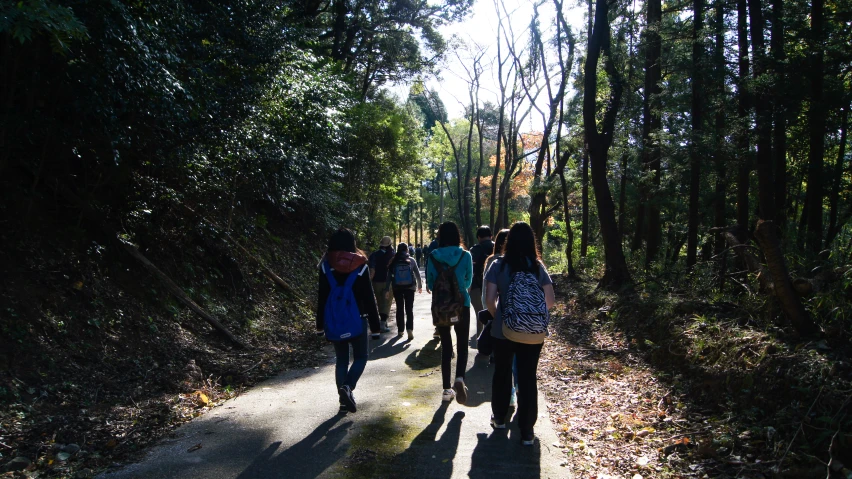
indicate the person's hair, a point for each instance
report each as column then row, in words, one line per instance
column 499, row 243
column 401, row 253
column 520, row 251
column 448, row 235
column 483, row 231
column 343, row 240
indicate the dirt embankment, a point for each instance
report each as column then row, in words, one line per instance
column 672, row 386
column 99, row 357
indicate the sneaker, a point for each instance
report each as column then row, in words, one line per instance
column 436, row 334
column 385, row 328
column 343, row 407
column 410, row 335
column 375, row 336
column 528, row 439
column 513, row 401
column 399, row 334
column 497, row 425
column 461, row 391
column 346, row 398
column 448, row 395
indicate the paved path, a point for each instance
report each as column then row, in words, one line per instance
column 290, row 427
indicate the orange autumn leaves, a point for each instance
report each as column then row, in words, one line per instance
column 521, row 180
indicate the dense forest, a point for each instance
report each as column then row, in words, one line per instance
column 169, row 172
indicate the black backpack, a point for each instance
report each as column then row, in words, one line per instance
column 447, row 300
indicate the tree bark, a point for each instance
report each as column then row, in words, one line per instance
column 782, row 286
column 720, row 190
column 779, row 135
column 763, row 115
column 616, row 275
column 816, row 127
column 834, row 198
column 584, row 228
column 695, row 142
column 743, row 107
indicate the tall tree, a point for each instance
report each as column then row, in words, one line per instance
column 651, row 124
column 763, row 113
column 743, row 119
column 616, row 274
column 837, row 177
column 695, row 140
column 780, row 103
column 816, row 130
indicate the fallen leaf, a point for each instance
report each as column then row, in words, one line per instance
column 194, row 448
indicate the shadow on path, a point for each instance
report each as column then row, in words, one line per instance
column 501, row 447
column 393, row 346
column 427, row 357
column 307, row 458
column 428, row 455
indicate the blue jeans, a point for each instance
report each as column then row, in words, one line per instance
column 344, row 375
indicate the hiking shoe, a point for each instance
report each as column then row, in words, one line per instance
column 347, row 399
column 461, row 390
column 448, row 395
column 343, row 408
column 496, row 424
column 528, row 439
column 410, row 335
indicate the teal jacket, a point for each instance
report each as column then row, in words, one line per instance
column 449, row 255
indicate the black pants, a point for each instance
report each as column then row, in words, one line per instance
column 404, row 309
column 527, row 355
column 462, row 331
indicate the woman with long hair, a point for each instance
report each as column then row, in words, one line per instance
column 404, row 274
column 450, row 254
column 520, row 260
column 342, row 260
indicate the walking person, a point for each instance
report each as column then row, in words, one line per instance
column 344, row 277
column 418, row 254
column 479, row 253
column 519, row 293
column 379, row 262
column 448, row 276
column 405, row 277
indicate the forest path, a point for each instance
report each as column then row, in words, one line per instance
column 290, row 426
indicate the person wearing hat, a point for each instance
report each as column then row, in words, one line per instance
column 379, row 262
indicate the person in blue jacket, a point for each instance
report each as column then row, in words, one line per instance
column 450, row 251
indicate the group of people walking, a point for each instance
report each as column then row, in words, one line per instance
column 504, row 280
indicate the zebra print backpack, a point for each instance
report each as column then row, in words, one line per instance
column 525, row 316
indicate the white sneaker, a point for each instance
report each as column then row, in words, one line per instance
column 410, row 335
column 448, row 395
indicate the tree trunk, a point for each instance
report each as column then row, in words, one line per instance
column 616, row 275
column 697, row 116
column 763, row 115
column 720, row 190
column 651, row 123
column 743, row 106
column 779, row 134
column 834, row 198
column 792, row 306
column 584, row 228
column 569, row 247
column 816, row 127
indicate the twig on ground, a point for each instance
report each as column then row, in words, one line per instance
column 256, row 365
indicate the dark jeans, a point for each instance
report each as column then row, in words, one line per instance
column 404, row 297
column 462, row 332
column 526, row 355
column 343, row 373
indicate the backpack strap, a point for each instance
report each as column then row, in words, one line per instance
column 350, row 279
